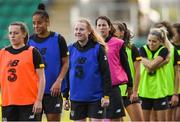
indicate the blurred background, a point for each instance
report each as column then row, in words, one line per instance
column 139, row 15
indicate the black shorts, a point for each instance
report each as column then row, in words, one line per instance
column 127, row 102
column 115, row 109
column 52, row 105
column 18, row 113
column 82, row 110
column 156, row 104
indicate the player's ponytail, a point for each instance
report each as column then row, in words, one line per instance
column 41, row 6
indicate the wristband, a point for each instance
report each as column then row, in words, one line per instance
column 106, row 97
column 176, row 95
column 65, row 98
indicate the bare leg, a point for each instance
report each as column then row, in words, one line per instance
column 53, row 117
column 135, row 112
column 146, row 114
column 177, row 114
column 170, row 114
column 161, row 115
column 153, row 116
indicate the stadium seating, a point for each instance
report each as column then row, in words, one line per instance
column 15, row 10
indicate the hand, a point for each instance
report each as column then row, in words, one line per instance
column 105, row 102
column 37, row 107
column 134, row 96
column 174, row 100
column 66, row 105
column 144, row 61
column 56, row 88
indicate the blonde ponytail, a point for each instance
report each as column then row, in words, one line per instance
column 167, row 43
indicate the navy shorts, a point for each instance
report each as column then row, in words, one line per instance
column 115, row 109
column 156, row 104
column 52, row 105
column 19, row 113
column 82, row 110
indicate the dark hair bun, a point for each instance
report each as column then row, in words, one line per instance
column 41, row 6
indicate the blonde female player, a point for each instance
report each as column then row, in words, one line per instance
column 153, row 85
column 89, row 75
column 171, row 68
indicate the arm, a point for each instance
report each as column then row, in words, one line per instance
column 134, row 95
column 168, row 45
column 105, row 73
column 164, row 62
column 37, row 108
column 56, row 87
column 152, row 65
column 125, row 65
column 41, row 81
column 176, row 81
column 176, row 70
column 137, row 76
column 175, row 97
column 66, row 91
column 137, row 61
column 39, row 66
column 136, row 65
column 66, row 103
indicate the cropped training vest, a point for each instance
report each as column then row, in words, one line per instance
column 152, row 85
column 118, row 75
column 51, row 54
column 131, row 65
column 86, row 83
column 18, row 78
